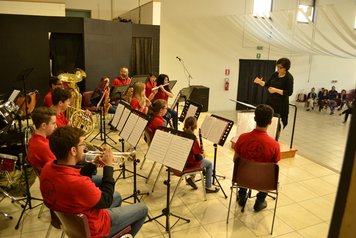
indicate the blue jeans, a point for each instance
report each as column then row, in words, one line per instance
column 174, row 116
column 208, row 171
column 117, row 199
column 121, row 217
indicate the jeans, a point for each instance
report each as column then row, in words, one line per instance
column 174, row 116
column 121, row 217
column 260, row 197
column 208, row 171
column 117, row 199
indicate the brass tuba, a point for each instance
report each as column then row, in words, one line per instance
column 72, row 80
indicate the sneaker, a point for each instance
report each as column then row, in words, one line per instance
column 191, row 183
column 212, row 189
column 331, row 113
column 308, row 110
column 259, row 206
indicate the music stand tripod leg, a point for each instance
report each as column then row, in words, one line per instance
column 166, row 211
column 214, row 171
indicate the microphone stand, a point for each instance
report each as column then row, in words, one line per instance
column 186, row 72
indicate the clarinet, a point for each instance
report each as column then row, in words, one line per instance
column 201, row 141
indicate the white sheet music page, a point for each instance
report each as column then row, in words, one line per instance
column 217, row 130
column 178, row 152
column 206, row 126
column 191, row 111
column 129, row 126
column 245, row 122
column 272, row 129
column 159, row 145
column 123, row 119
column 119, row 110
column 137, row 131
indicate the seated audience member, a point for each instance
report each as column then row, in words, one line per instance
column 139, row 101
column 64, row 189
column 342, row 98
column 350, row 105
column 151, row 83
column 54, row 82
column 156, row 112
column 332, row 96
column 101, row 95
column 197, row 157
column 164, row 92
column 257, row 146
column 311, row 99
column 39, row 153
column 323, row 99
column 61, row 100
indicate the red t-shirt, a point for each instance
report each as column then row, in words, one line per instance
column 258, row 146
column 156, row 122
column 136, row 105
column 191, row 158
column 39, row 152
column 47, row 101
column 149, row 87
column 65, row 190
column 61, row 120
column 120, row 82
column 160, row 95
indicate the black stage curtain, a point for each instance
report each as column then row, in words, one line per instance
column 247, row 90
column 67, row 53
column 142, row 56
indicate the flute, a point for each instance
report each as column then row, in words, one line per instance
column 154, row 88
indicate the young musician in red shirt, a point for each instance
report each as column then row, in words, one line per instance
column 61, row 100
column 157, row 111
column 139, row 100
column 39, row 153
column 64, row 189
column 197, row 157
column 164, row 92
column 150, row 84
column 258, row 146
column 54, row 82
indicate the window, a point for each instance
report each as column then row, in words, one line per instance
column 262, row 8
column 306, row 11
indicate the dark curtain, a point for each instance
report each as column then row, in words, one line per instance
column 142, row 56
column 67, row 53
column 247, row 90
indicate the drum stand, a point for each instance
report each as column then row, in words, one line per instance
column 28, row 196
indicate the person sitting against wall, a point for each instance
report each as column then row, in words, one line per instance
column 332, row 96
column 311, row 99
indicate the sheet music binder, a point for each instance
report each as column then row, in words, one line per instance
column 118, row 113
column 216, row 129
column 190, row 109
column 117, row 91
column 134, row 127
column 170, row 147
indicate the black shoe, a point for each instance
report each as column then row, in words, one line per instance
column 191, row 183
column 308, row 110
column 331, row 113
column 212, row 189
column 259, row 206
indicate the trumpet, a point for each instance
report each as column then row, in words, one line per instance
column 119, row 157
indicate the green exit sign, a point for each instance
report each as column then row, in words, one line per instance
column 258, row 56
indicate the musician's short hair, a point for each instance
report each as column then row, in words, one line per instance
column 285, row 62
column 60, row 95
column 42, row 115
column 190, row 124
column 263, row 115
column 63, row 139
column 53, row 80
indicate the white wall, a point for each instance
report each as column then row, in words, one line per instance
column 209, row 43
column 32, row 8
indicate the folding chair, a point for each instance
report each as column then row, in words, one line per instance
column 258, row 176
column 77, row 226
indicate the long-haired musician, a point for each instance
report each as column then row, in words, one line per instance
column 102, row 94
column 64, row 189
column 156, row 112
column 139, row 101
column 150, row 84
column 164, row 92
column 39, row 153
column 196, row 157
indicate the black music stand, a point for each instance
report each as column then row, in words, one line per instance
column 131, row 132
column 216, row 129
column 190, row 109
column 177, row 163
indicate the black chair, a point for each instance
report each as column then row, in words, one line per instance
column 255, row 176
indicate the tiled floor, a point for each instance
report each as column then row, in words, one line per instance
column 307, row 192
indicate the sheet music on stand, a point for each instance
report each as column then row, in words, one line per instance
column 176, row 100
column 191, row 109
column 171, row 84
column 216, row 129
column 117, row 91
column 170, row 147
column 134, row 127
column 118, row 113
column 246, row 123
